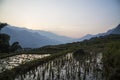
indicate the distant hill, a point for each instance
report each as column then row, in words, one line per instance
column 62, row 39
column 27, row 38
column 34, row 38
column 86, row 37
column 38, row 38
column 115, row 30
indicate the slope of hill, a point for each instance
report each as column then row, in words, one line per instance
column 62, row 39
column 86, row 37
column 27, row 38
column 115, row 30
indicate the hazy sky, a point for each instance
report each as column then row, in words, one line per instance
column 73, row 18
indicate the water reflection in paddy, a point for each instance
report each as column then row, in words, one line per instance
column 69, row 67
column 11, row 62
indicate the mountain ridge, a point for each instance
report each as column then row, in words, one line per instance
column 115, row 30
column 38, row 38
column 28, row 39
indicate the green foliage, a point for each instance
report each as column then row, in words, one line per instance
column 111, row 60
column 4, row 42
column 15, row 46
column 2, row 25
column 4, row 39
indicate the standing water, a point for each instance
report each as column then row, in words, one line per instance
column 69, row 67
column 11, row 62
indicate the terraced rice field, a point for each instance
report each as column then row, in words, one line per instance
column 69, row 67
column 11, row 62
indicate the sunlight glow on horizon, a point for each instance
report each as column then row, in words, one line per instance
column 74, row 18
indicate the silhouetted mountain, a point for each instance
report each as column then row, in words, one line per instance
column 37, row 38
column 115, row 30
column 28, row 38
column 86, row 37
column 62, row 39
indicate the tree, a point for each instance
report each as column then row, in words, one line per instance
column 2, row 25
column 4, row 39
column 15, row 46
column 4, row 43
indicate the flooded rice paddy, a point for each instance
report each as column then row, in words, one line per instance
column 11, row 62
column 69, row 67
